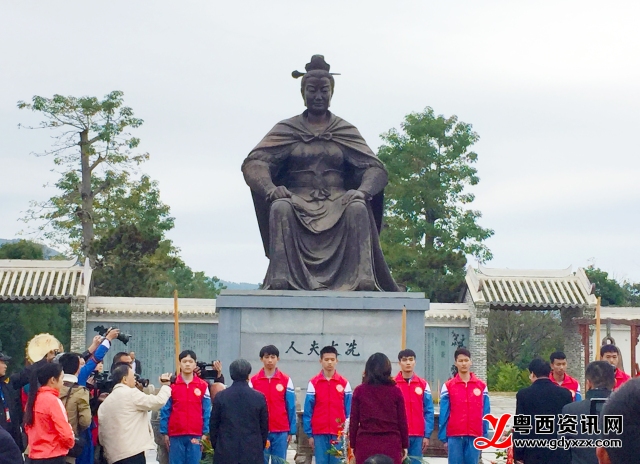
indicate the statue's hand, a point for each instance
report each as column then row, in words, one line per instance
column 279, row 192
column 353, row 195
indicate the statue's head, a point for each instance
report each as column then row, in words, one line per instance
column 317, row 85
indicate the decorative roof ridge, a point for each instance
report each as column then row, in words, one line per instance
column 506, row 272
column 43, row 264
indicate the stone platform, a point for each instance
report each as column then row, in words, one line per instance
column 358, row 324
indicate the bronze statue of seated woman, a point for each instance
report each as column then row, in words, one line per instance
column 318, row 193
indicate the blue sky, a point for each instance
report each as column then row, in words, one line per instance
column 550, row 86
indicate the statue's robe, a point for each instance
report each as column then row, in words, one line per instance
column 314, row 240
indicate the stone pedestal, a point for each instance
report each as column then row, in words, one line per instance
column 358, row 324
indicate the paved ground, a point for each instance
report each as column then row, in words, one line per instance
column 500, row 404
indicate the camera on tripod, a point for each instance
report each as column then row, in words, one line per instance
column 102, row 330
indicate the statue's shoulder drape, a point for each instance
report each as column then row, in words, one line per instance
column 276, row 146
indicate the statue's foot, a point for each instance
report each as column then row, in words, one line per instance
column 279, row 284
column 367, row 286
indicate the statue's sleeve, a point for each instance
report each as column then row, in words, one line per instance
column 369, row 173
column 261, row 167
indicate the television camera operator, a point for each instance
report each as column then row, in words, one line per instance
column 125, row 431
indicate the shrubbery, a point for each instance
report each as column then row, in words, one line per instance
column 506, row 377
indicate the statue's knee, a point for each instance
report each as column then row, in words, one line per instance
column 357, row 208
column 281, row 208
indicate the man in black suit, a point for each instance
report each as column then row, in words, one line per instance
column 623, row 402
column 543, row 397
column 135, row 364
column 239, row 420
column 601, row 378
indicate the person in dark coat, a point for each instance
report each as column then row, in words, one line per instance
column 9, row 451
column 378, row 422
column 601, row 378
column 543, row 397
column 623, row 403
column 10, row 407
column 239, row 420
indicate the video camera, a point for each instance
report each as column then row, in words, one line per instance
column 103, row 382
column 123, row 337
column 207, row 371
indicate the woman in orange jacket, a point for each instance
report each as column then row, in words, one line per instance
column 46, row 424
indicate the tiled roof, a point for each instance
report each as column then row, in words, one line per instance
column 43, row 280
column 530, row 289
column 447, row 312
column 149, row 307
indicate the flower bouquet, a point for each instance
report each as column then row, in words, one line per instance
column 340, row 447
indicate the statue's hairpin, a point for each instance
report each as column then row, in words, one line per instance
column 317, row 63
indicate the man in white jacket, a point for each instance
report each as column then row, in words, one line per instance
column 124, row 428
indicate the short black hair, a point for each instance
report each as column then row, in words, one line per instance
column 240, row 370
column 379, row 459
column 186, row 353
column 557, row 355
column 328, row 350
column 625, row 402
column 269, row 350
column 119, row 372
column 406, row 354
column 601, row 374
column 462, row 350
column 608, row 349
column 70, row 363
column 539, row 368
column 116, row 359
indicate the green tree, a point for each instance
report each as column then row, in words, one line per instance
column 517, row 337
column 19, row 322
column 22, row 249
column 610, row 291
column 191, row 284
column 429, row 230
column 94, row 151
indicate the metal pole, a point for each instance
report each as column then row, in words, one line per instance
column 403, row 342
column 176, row 329
column 597, row 347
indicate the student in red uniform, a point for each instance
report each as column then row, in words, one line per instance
column 278, row 389
column 464, row 401
column 184, row 420
column 610, row 353
column 326, row 406
column 418, row 403
column 560, row 377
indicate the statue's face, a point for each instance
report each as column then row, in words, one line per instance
column 317, row 94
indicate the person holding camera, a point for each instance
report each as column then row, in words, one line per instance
column 75, row 399
column 184, row 420
column 125, row 431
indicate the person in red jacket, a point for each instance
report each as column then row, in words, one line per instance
column 184, row 420
column 560, row 377
column 277, row 388
column 464, row 401
column 326, row 406
column 46, row 425
column 418, row 403
column 611, row 354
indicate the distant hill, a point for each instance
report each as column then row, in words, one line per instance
column 239, row 286
column 48, row 252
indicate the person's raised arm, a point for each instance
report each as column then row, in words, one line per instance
column 144, row 402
